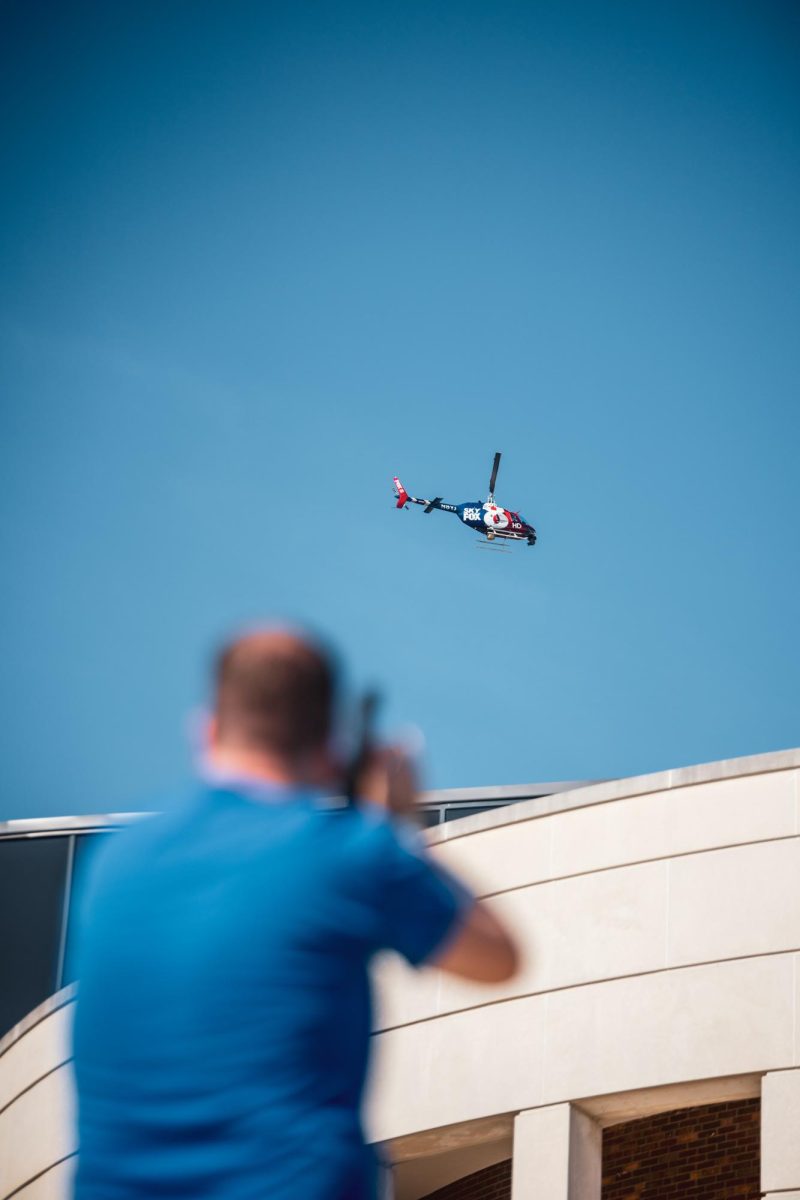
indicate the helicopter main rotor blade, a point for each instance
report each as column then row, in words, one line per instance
column 432, row 504
column 493, row 480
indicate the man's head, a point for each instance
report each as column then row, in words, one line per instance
column 274, row 702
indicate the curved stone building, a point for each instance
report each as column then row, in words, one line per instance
column 648, row 1048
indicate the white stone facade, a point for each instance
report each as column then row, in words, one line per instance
column 660, row 919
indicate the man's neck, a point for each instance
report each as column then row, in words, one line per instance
column 258, row 765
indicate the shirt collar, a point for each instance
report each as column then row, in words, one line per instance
column 252, row 787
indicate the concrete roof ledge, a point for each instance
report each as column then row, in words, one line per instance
column 525, row 802
column 612, row 789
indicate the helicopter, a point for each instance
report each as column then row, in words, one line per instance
column 484, row 516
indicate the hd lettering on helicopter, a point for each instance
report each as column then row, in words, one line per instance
column 485, row 517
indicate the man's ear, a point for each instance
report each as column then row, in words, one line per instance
column 211, row 732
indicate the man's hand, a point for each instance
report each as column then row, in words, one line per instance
column 389, row 779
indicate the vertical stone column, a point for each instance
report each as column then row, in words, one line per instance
column 558, row 1154
column 780, row 1134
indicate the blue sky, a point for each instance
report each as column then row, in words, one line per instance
column 260, row 258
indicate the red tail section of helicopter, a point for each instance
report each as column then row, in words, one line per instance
column 400, row 492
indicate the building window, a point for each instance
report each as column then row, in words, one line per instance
column 33, row 875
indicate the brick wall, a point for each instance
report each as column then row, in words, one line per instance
column 708, row 1153
column 492, row 1183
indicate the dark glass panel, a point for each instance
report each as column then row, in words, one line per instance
column 32, row 877
column 85, row 847
column 467, row 810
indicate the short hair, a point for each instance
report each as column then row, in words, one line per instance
column 275, row 691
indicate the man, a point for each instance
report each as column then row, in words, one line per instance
column 223, row 1014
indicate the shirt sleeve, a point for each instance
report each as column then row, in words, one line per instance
column 420, row 904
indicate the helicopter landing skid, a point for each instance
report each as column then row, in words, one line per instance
column 486, row 545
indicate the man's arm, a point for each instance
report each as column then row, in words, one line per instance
column 482, row 948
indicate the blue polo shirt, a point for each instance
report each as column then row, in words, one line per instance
column 223, row 1017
